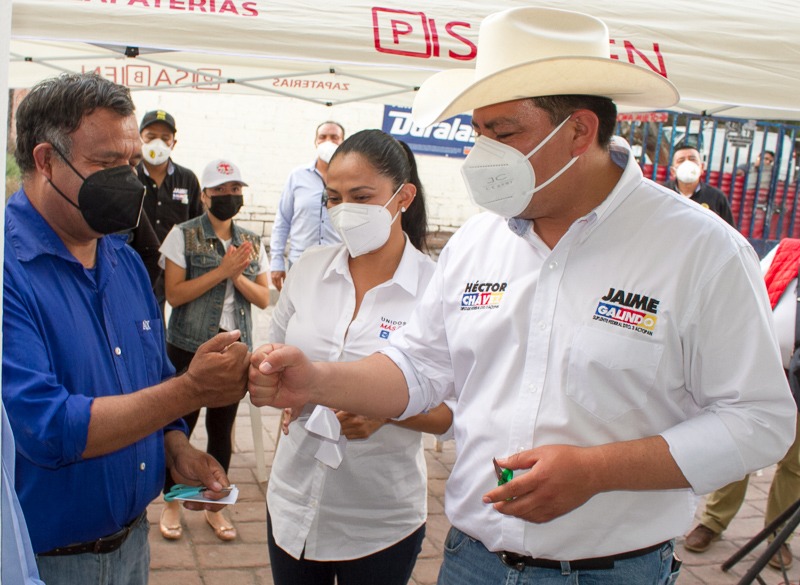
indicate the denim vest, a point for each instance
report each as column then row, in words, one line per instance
column 195, row 322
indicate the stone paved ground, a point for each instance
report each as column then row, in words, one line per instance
column 200, row 559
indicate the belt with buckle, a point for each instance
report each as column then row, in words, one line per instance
column 519, row 562
column 101, row 546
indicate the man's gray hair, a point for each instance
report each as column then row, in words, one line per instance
column 54, row 108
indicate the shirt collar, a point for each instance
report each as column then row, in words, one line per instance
column 407, row 273
column 631, row 178
column 312, row 168
column 406, row 276
column 30, row 236
column 170, row 168
column 674, row 185
column 622, row 156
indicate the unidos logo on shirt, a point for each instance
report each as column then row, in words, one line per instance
column 628, row 310
column 387, row 326
column 482, row 295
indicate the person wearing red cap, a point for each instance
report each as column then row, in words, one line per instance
column 214, row 270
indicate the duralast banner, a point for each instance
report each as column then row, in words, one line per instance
column 451, row 137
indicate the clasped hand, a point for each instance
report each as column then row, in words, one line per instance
column 236, row 260
column 354, row 426
column 280, row 376
column 218, row 371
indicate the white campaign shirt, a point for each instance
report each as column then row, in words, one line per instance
column 174, row 248
column 650, row 316
column 377, row 496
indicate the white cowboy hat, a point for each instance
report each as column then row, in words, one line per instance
column 533, row 52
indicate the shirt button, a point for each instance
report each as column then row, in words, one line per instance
column 158, row 221
column 159, row 203
column 142, row 466
column 542, row 325
column 117, row 351
column 553, row 265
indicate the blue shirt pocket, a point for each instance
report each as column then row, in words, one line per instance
column 151, row 344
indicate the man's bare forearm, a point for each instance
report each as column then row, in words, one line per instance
column 641, row 464
column 373, row 386
column 118, row 421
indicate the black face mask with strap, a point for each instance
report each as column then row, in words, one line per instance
column 110, row 200
column 224, row 207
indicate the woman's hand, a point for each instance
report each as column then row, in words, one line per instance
column 289, row 416
column 355, row 426
column 236, row 260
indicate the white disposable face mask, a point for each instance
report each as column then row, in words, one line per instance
column 500, row 179
column 363, row 227
column 325, row 151
column 156, row 152
column 688, row 172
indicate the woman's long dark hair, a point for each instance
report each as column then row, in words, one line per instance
column 394, row 159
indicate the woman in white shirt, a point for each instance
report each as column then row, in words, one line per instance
column 347, row 494
column 214, row 270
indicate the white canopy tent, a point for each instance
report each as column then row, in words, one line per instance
column 726, row 57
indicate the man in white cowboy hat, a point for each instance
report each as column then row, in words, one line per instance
column 615, row 374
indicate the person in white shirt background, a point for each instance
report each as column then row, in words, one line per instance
column 302, row 218
column 347, row 494
column 214, row 270
column 616, row 374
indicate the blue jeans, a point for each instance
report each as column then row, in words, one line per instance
column 468, row 562
column 128, row 565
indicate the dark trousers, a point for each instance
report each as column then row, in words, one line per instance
column 219, row 421
column 390, row 566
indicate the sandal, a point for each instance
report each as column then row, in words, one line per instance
column 222, row 528
column 170, row 522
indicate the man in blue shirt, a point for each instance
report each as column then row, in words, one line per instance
column 88, row 388
column 302, row 217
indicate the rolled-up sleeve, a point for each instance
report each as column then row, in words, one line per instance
column 51, row 425
column 421, row 351
column 746, row 415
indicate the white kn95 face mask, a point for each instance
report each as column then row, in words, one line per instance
column 325, row 151
column 363, row 227
column 500, row 179
column 688, row 172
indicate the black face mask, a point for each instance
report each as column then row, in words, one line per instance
column 224, row 207
column 110, row 200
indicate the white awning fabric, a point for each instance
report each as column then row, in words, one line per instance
column 726, row 57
